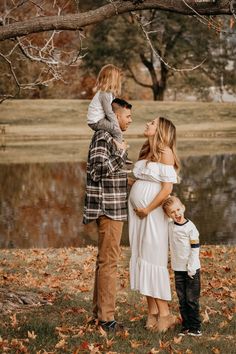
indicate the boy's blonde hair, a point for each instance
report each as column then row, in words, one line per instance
column 165, row 136
column 169, row 201
column 109, row 79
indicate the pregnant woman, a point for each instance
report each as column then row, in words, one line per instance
column 155, row 172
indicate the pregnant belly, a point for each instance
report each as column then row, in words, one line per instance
column 143, row 192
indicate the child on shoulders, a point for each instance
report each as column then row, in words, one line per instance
column 184, row 250
column 100, row 114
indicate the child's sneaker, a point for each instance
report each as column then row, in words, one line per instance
column 195, row 333
column 183, row 332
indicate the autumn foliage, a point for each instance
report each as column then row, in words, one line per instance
column 45, row 301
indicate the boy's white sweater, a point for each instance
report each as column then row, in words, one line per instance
column 184, row 247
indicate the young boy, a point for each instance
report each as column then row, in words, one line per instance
column 184, row 249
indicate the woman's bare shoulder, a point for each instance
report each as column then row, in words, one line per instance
column 167, row 156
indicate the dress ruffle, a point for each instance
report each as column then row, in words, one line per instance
column 154, row 171
column 149, row 279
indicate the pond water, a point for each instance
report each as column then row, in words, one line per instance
column 41, row 205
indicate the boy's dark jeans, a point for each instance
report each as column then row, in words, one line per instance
column 188, row 291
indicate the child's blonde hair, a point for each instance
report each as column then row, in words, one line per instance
column 165, row 136
column 169, row 201
column 109, row 79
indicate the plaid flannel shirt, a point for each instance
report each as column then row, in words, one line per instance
column 106, row 189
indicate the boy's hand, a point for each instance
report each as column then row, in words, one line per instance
column 191, row 274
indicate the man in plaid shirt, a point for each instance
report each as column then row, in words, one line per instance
column 106, row 202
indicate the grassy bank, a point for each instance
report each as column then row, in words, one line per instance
column 45, row 301
column 56, row 130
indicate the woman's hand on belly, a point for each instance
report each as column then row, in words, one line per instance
column 141, row 212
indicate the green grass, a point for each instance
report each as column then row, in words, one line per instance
column 60, row 324
column 56, row 130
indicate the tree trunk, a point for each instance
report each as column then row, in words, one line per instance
column 156, row 93
column 158, row 96
column 163, row 82
column 156, row 87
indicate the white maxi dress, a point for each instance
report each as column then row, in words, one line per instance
column 149, row 236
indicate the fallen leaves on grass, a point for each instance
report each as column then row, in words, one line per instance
column 71, row 271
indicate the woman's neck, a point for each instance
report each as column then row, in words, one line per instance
column 151, row 139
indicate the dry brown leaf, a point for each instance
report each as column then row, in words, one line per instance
column 110, row 342
column 177, row 340
column 14, row 321
column 227, row 269
column 154, row 351
column 32, row 335
column 135, row 344
column 205, row 317
column 136, row 318
column 216, row 283
column 93, row 349
column 124, row 334
column 207, row 254
column 60, row 344
column 223, row 324
column 84, row 287
column 102, row 332
column 64, row 336
column 84, row 345
column 164, row 344
column 77, row 351
column 215, row 350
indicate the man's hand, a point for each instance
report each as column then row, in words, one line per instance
column 122, row 146
column 131, row 181
column 141, row 212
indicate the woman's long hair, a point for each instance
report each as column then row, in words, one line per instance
column 165, row 136
column 109, row 79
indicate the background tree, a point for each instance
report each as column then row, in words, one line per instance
column 176, row 41
column 36, row 31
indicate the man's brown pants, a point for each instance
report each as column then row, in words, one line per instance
column 104, row 296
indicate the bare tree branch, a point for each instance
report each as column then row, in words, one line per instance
column 134, row 77
column 76, row 21
column 146, row 33
column 233, row 8
column 207, row 21
column 52, row 58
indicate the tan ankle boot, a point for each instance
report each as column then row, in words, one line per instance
column 151, row 321
column 164, row 323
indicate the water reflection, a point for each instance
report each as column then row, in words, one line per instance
column 208, row 189
column 41, row 204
